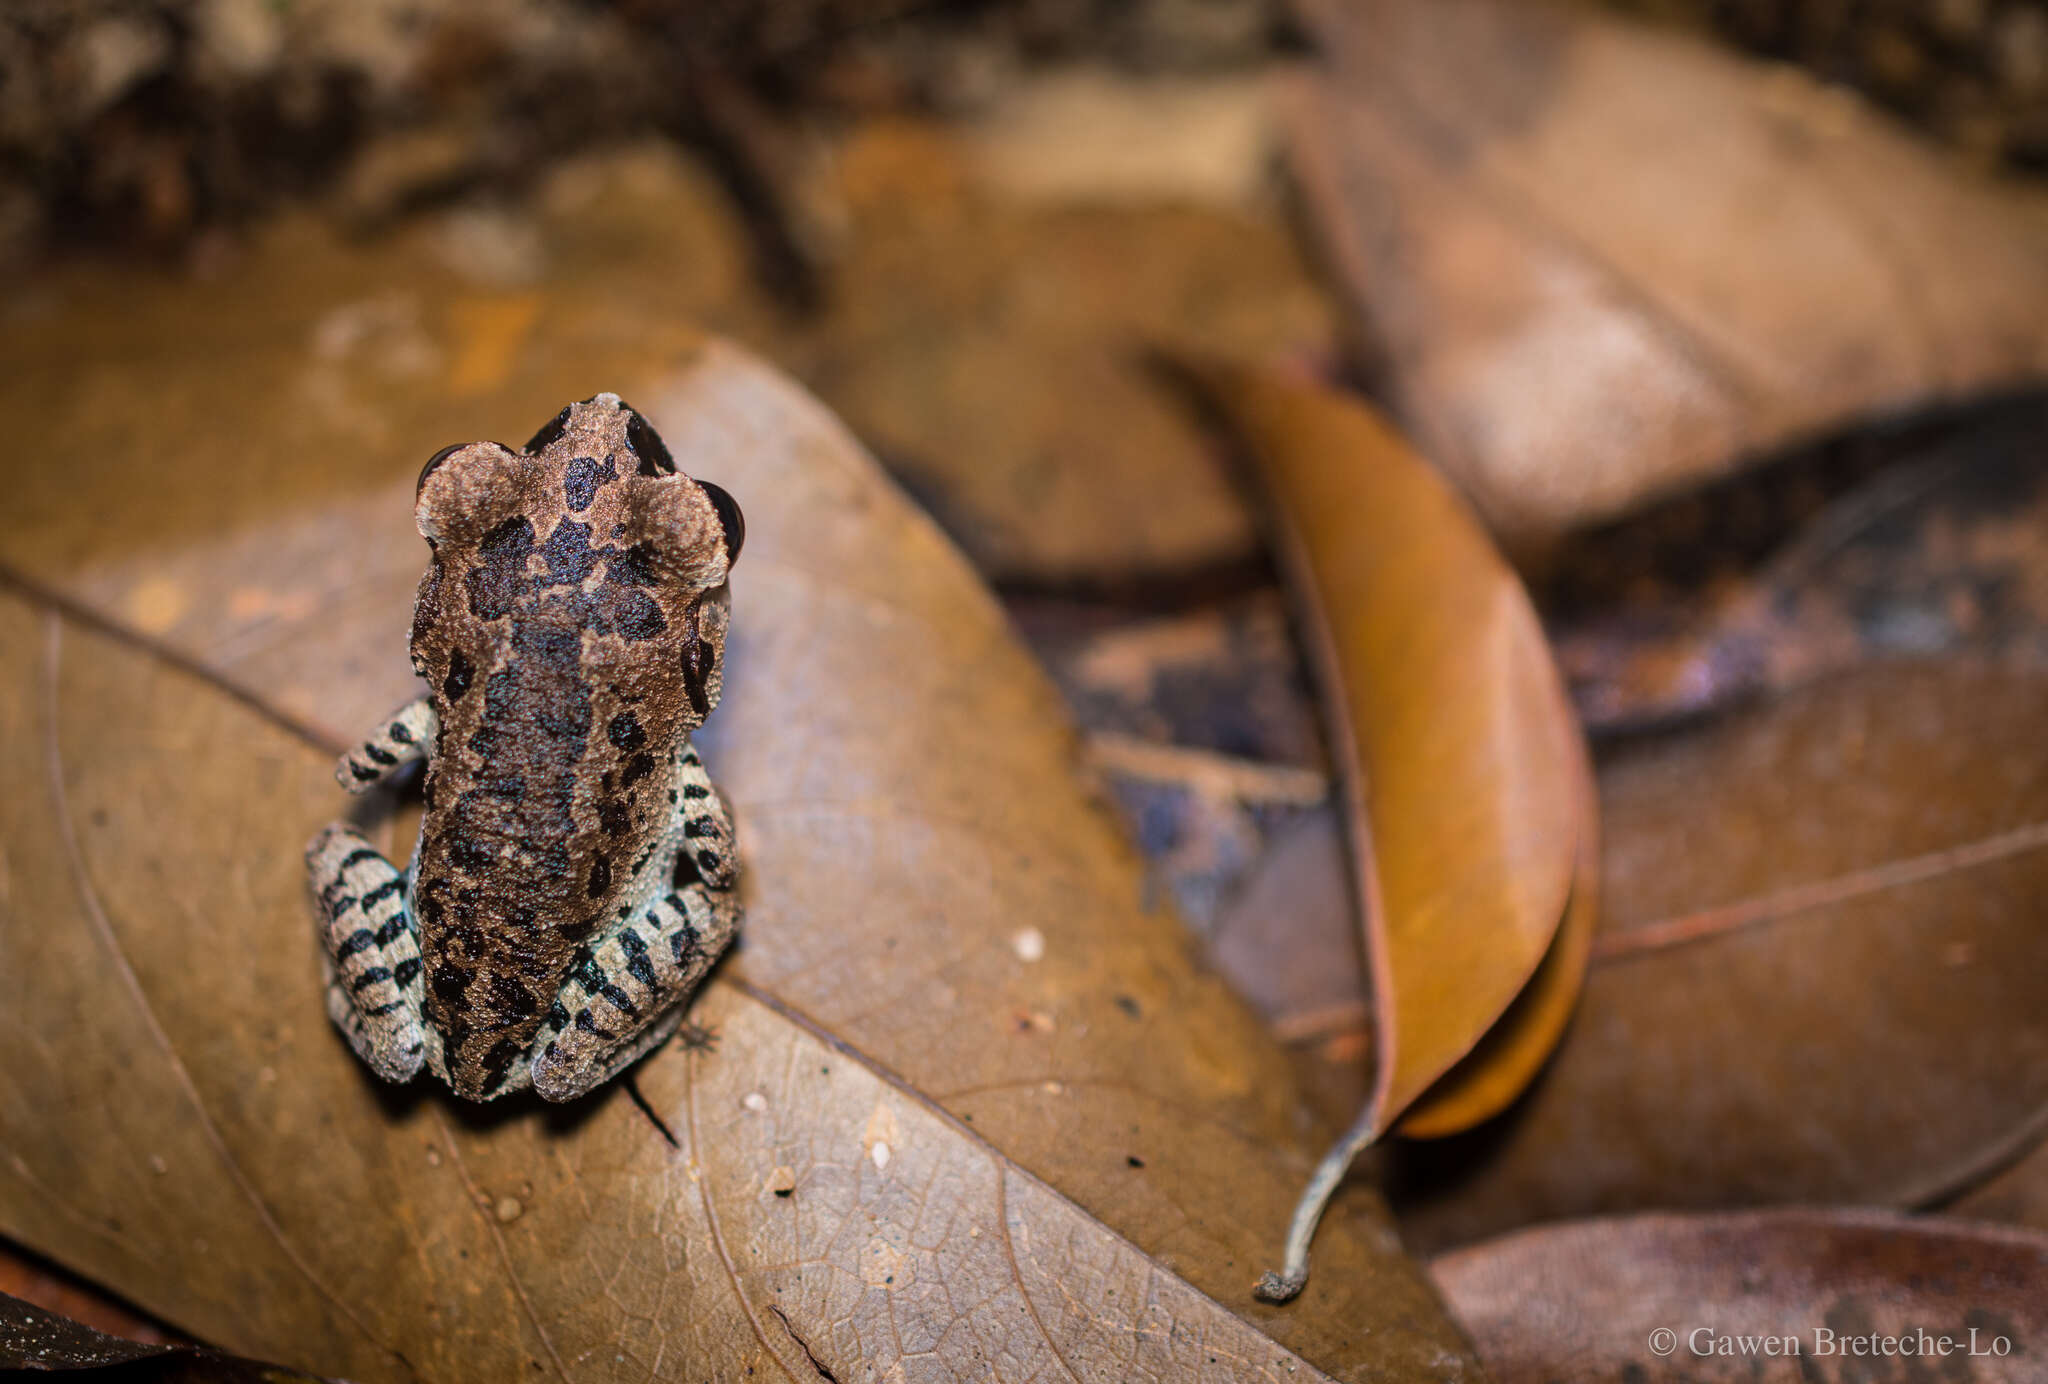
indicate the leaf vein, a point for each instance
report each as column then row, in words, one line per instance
column 703, row 1182
column 476, row 1200
column 1705, row 924
column 96, row 915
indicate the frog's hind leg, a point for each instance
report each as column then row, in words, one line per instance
column 405, row 735
column 374, row 987
column 625, row 992
column 624, row 995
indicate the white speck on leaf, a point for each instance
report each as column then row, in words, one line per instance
column 881, row 1132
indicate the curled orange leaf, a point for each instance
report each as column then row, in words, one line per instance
column 1466, row 778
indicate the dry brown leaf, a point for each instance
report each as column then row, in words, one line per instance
column 2016, row 1194
column 1503, row 1063
column 1289, row 940
column 1463, row 767
column 1600, row 260
column 1465, row 777
column 991, row 351
column 1586, row 1301
column 1819, row 974
column 1061, row 1160
column 1943, row 551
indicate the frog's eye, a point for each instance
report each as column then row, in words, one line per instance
column 729, row 518
column 465, row 489
column 432, row 462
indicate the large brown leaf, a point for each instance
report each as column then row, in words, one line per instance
column 1942, row 550
column 1467, row 788
column 2016, row 1194
column 1819, row 974
column 1599, row 260
column 1792, row 1296
column 990, row 348
column 1067, row 1163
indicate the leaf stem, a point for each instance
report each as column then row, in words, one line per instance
column 1308, row 1212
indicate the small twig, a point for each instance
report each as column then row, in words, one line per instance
column 1804, row 898
column 1328, row 1021
column 1308, row 1212
column 633, row 1091
column 1207, row 772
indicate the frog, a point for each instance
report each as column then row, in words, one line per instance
column 575, row 874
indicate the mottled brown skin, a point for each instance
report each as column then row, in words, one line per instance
column 571, row 629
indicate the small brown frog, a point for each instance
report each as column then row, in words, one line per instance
column 575, row 872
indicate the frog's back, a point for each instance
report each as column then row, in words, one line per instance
column 566, row 628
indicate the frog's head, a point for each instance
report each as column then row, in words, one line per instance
column 587, row 548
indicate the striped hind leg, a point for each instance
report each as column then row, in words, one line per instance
column 373, row 955
column 626, row 988
column 625, row 994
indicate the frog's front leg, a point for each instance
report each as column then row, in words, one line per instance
column 406, row 734
column 373, row 953
column 626, row 990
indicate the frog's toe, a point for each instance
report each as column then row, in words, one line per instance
column 556, row 1077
